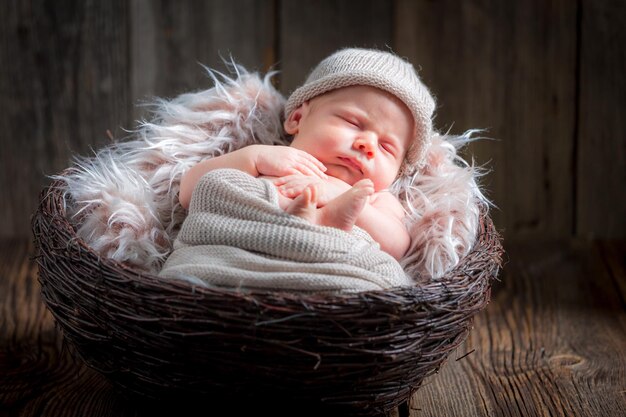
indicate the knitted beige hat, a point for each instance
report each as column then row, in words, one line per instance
column 384, row 70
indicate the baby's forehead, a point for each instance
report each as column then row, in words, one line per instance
column 364, row 96
column 355, row 91
column 369, row 99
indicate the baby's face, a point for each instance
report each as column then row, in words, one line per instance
column 356, row 132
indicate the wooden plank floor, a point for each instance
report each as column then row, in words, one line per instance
column 551, row 343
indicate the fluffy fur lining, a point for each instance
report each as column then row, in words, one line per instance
column 123, row 200
column 443, row 203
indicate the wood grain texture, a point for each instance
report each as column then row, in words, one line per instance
column 543, row 77
column 171, row 39
column 64, row 81
column 550, row 344
column 312, row 29
column 509, row 68
column 601, row 164
column 614, row 256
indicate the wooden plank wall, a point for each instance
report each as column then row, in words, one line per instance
column 544, row 78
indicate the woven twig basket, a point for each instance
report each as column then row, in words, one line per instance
column 363, row 353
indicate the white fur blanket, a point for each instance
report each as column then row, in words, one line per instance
column 124, row 204
column 237, row 236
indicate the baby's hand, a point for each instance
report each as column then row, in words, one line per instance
column 278, row 161
column 292, row 186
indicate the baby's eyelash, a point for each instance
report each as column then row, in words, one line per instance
column 352, row 122
column 387, row 147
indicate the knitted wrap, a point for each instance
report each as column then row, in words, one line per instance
column 383, row 70
column 237, row 236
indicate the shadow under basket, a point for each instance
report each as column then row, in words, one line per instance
column 364, row 353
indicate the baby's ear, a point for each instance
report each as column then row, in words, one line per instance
column 292, row 123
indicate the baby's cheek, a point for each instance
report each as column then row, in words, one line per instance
column 381, row 180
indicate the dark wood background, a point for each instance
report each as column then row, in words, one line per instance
column 544, row 77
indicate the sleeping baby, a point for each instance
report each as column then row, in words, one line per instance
column 361, row 119
column 346, row 182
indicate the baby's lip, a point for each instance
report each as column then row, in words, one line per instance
column 352, row 163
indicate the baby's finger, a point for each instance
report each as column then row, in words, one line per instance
column 316, row 161
column 298, row 170
column 310, row 169
column 289, row 192
column 315, row 164
column 306, row 170
column 287, row 178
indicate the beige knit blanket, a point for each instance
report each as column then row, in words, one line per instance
column 237, row 236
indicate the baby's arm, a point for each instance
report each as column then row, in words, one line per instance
column 241, row 159
column 382, row 219
column 256, row 160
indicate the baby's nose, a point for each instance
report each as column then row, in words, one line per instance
column 367, row 145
